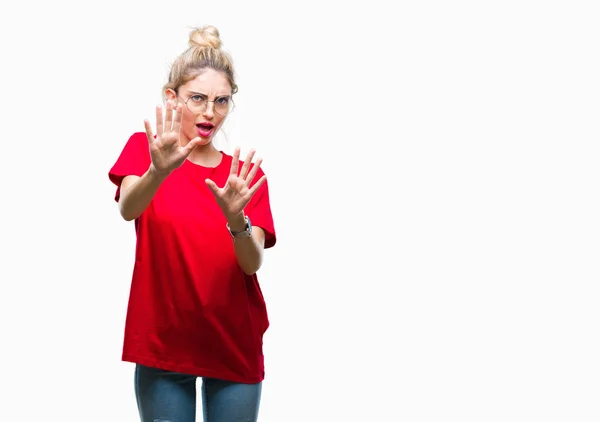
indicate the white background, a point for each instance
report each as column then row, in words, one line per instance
column 433, row 173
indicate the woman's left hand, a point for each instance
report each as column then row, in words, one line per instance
column 235, row 195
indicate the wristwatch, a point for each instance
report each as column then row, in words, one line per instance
column 247, row 232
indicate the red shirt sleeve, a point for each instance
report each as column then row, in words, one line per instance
column 133, row 160
column 258, row 211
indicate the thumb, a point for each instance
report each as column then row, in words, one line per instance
column 212, row 186
column 192, row 144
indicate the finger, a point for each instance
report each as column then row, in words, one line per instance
column 257, row 185
column 246, row 165
column 177, row 120
column 159, row 120
column 254, row 170
column 235, row 161
column 149, row 134
column 191, row 145
column 169, row 117
column 212, row 186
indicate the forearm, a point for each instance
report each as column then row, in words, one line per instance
column 248, row 250
column 136, row 197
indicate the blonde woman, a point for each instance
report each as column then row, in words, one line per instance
column 202, row 220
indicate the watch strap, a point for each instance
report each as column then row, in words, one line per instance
column 247, row 232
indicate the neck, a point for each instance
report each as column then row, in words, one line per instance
column 205, row 155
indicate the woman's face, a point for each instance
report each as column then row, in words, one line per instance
column 205, row 103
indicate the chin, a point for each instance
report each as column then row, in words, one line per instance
column 204, row 141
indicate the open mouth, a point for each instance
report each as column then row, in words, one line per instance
column 205, row 129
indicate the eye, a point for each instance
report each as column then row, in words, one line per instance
column 223, row 100
column 198, row 98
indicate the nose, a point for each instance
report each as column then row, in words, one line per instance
column 209, row 110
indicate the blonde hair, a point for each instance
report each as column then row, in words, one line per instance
column 204, row 52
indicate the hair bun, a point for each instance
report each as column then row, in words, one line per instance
column 207, row 36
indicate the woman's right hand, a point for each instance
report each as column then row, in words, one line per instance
column 166, row 150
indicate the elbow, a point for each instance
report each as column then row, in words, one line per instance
column 249, row 255
column 127, row 216
column 251, row 268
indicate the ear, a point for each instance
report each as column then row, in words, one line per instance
column 171, row 95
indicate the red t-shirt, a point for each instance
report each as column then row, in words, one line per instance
column 191, row 307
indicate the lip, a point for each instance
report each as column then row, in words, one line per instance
column 206, row 130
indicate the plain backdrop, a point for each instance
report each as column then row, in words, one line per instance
column 433, row 171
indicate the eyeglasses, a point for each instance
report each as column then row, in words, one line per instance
column 197, row 104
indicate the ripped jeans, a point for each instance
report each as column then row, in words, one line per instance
column 164, row 396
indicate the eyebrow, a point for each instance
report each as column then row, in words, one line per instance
column 200, row 93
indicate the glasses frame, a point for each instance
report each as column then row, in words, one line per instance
column 232, row 107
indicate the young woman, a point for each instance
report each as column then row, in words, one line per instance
column 202, row 220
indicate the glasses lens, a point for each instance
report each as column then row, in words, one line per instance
column 221, row 106
column 196, row 104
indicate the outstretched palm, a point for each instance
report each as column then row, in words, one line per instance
column 166, row 151
column 235, row 195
